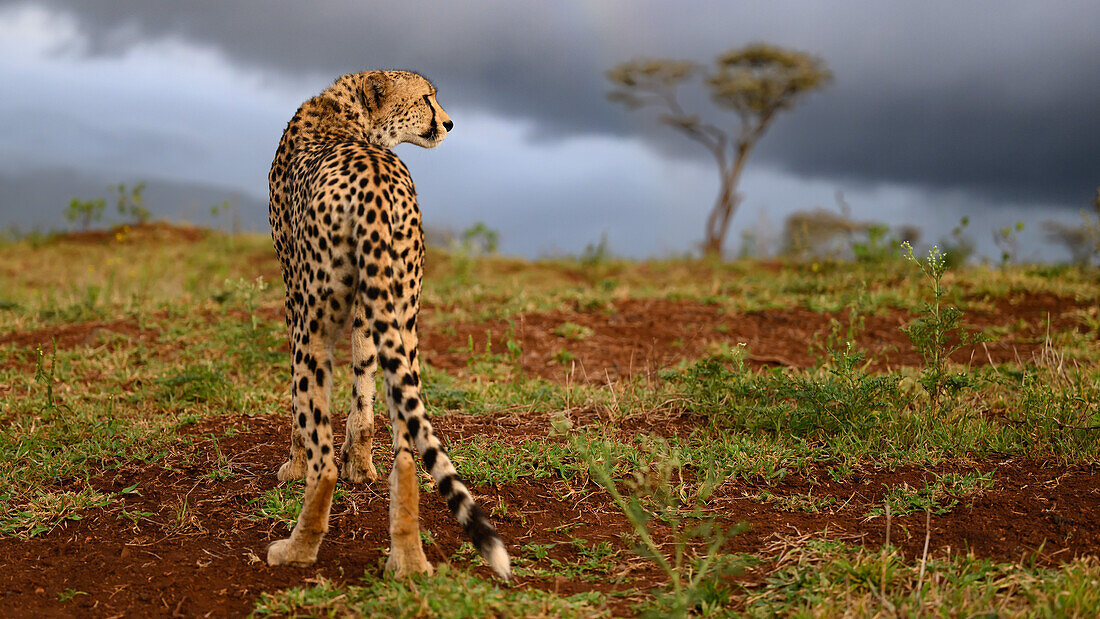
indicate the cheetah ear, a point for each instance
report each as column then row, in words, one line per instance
column 376, row 87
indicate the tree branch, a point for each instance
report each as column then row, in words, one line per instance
column 690, row 127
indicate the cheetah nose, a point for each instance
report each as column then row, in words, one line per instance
column 447, row 125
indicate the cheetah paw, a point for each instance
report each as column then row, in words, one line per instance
column 359, row 471
column 410, row 563
column 292, row 469
column 286, row 552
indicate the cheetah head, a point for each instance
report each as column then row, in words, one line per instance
column 400, row 106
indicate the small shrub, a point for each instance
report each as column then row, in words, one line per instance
column 712, row 385
column 936, row 332
column 840, row 334
column 243, row 293
column 257, row 341
column 845, row 398
column 44, row 375
column 694, row 577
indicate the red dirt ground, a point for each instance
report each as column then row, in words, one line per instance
column 210, row 560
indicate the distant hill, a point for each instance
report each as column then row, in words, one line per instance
column 38, row 199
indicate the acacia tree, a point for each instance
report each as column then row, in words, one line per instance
column 755, row 82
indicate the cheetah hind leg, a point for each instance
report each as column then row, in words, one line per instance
column 357, row 464
column 406, row 551
column 295, row 467
column 300, row 549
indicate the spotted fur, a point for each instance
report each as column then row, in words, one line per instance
column 347, row 231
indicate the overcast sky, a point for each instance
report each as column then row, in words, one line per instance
column 938, row 109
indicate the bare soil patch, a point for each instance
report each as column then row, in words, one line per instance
column 66, row 337
column 152, row 232
column 639, row 337
column 208, row 559
column 75, row 335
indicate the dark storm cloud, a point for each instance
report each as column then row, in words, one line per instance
column 1003, row 152
column 996, row 97
column 522, row 60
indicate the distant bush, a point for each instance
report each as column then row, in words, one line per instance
column 1082, row 240
column 821, row 233
column 131, row 204
column 596, row 253
column 478, row 240
column 958, row 248
column 1007, row 239
column 475, row 242
column 85, row 211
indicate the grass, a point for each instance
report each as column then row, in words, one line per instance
column 149, row 354
column 573, row 331
column 40, row 512
column 823, row 578
column 596, row 562
column 485, row 461
column 800, row 502
column 939, row 496
column 449, row 593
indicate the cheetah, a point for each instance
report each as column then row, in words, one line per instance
column 346, row 227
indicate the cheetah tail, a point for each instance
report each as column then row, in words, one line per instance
column 403, row 395
column 465, row 510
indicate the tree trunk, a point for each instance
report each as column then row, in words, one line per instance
column 725, row 206
column 718, row 220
